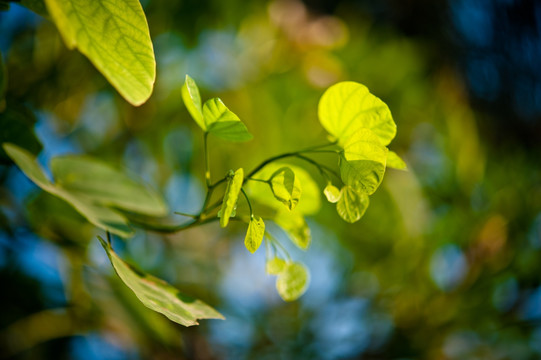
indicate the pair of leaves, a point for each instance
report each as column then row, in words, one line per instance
column 293, row 278
column 158, row 295
column 113, row 35
column 213, row 117
column 350, row 204
column 93, row 188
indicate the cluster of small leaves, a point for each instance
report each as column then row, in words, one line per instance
column 361, row 126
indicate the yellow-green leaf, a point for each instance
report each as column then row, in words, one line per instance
column 254, row 235
column 192, row 100
column 292, row 281
column 394, row 161
column 275, row 266
column 295, row 226
column 352, row 205
column 223, row 123
column 349, row 106
column 262, row 193
column 114, row 35
column 231, row 196
column 332, row 193
column 158, row 295
column 286, row 187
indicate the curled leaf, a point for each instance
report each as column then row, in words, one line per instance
column 231, row 196
column 286, row 187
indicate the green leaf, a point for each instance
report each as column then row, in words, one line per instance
column 275, row 266
column 114, row 35
column 332, row 193
column 230, row 196
column 158, row 295
column 286, row 187
column 352, row 205
column 17, row 124
column 192, row 100
column 223, row 123
column 349, row 106
column 254, row 235
column 292, row 281
column 3, row 80
column 85, row 176
column 394, row 161
column 362, row 165
column 95, row 213
column 37, row 6
column 262, row 193
column 295, row 226
column 4, row 6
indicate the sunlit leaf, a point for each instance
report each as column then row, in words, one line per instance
column 223, row 123
column 348, row 106
column 394, row 161
column 114, row 35
column 96, row 214
column 275, row 266
column 286, row 187
column 159, row 296
column 262, row 193
column 231, row 195
column 192, row 100
column 295, row 226
column 362, row 165
column 254, row 235
column 86, row 176
column 352, row 205
column 292, row 281
column 332, row 193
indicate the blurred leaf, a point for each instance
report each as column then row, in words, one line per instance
column 192, row 101
column 332, row 193
column 295, row 226
column 275, row 266
column 286, row 187
column 4, row 6
column 223, row 123
column 17, row 127
column 114, row 35
column 292, row 281
column 348, row 106
column 100, row 183
column 394, row 161
column 158, row 295
column 352, row 205
column 262, row 193
column 254, row 235
column 231, row 196
column 98, row 215
column 3, row 79
column 37, row 6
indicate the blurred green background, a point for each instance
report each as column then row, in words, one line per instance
column 446, row 263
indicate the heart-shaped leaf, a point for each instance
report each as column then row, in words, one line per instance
column 352, row 205
column 292, row 281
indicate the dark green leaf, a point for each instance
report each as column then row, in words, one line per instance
column 37, row 6
column 17, row 127
column 159, row 296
